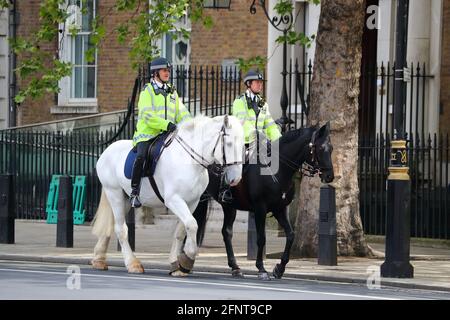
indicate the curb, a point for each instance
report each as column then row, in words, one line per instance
column 165, row 266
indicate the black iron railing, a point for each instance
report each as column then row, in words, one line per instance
column 34, row 155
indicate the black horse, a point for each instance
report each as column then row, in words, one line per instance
column 262, row 194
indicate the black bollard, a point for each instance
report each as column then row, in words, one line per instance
column 327, row 227
column 130, row 220
column 7, row 209
column 64, row 227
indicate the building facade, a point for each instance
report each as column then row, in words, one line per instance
column 105, row 85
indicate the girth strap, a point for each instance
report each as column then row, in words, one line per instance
column 155, row 188
column 151, row 178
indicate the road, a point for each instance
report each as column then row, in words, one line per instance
column 28, row 280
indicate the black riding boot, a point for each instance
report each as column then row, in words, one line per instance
column 136, row 184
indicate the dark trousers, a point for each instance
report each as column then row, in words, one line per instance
column 138, row 166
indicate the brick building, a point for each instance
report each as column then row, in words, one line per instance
column 106, row 85
column 444, row 117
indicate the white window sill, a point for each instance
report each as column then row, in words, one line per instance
column 71, row 109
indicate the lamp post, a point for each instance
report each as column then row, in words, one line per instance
column 396, row 264
column 282, row 23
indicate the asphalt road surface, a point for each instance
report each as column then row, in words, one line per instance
column 28, row 280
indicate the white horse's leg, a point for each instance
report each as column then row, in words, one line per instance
column 103, row 225
column 180, row 208
column 120, row 207
column 177, row 245
column 99, row 261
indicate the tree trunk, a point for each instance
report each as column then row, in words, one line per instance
column 334, row 98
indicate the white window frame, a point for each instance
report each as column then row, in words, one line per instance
column 65, row 84
column 184, row 22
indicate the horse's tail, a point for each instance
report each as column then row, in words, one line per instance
column 201, row 215
column 103, row 223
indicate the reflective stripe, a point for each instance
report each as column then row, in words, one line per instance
column 186, row 116
column 145, row 109
column 143, row 136
column 159, row 66
column 240, row 113
column 149, row 89
column 271, row 123
column 163, row 108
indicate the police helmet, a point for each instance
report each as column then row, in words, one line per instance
column 159, row 63
column 253, row 75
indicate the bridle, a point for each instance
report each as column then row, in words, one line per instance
column 199, row 158
column 312, row 167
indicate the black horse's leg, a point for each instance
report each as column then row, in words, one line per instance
column 260, row 219
column 283, row 220
column 227, row 233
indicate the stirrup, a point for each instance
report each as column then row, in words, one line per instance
column 225, row 196
column 134, row 200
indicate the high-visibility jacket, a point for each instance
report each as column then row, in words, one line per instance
column 155, row 113
column 253, row 122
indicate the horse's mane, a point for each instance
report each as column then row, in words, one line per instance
column 198, row 119
column 293, row 135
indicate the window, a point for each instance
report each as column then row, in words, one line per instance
column 217, row 4
column 80, row 88
column 177, row 51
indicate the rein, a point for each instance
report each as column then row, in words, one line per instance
column 199, row 158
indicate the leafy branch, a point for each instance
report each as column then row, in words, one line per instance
column 282, row 8
column 42, row 70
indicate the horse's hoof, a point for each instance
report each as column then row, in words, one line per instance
column 237, row 273
column 277, row 272
column 174, row 266
column 263, row 276
column 185, row 263
column 135, row 267
column 99, row 264
column 178, row 273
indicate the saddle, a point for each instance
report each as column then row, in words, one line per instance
column 154, row 153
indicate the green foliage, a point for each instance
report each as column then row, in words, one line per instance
column 42, row 70
column 4, row 4
column 257, row 62
column 282, row 8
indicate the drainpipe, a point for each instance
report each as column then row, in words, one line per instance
column 12, row 66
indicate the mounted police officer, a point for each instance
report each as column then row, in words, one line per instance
column 253, row 111
column 160, row 109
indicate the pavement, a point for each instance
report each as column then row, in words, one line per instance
column 36, row 241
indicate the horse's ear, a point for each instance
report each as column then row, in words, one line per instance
column 324, row 130
column 327, row 128
column 226, row 121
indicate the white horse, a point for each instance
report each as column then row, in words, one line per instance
column 181, row 177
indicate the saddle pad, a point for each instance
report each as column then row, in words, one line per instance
column 149, row 170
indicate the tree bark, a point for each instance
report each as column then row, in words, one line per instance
column 334, row 98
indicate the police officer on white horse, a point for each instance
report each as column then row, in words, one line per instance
column 160, row 109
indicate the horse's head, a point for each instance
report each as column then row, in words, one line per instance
column 321, row 150
column 229, row 148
